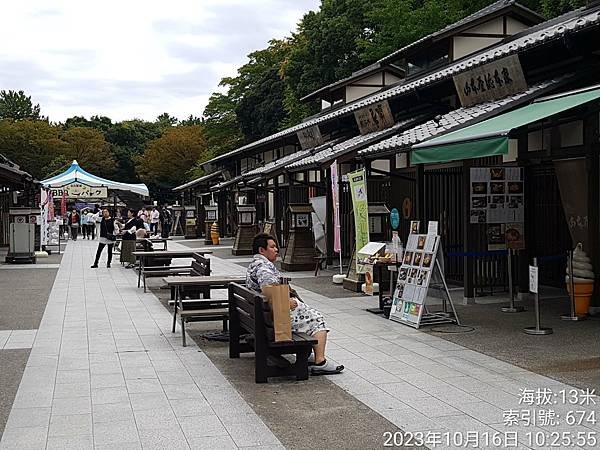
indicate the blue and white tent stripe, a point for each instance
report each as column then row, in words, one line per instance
column 76, row 174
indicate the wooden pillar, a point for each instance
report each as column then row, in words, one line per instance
column 468, row 232
column 419, row 206
column 329, row 225
column 525, row 256
column 278, row 227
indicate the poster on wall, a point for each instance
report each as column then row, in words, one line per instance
column 497, row 199
column 414, row 276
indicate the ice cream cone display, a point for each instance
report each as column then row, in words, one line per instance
column 580, row 270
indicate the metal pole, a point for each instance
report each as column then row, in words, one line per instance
column 511, row 292
column 572, row 316
column 537, row 330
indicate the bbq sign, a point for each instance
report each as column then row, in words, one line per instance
column 491, row 81
column 80, row 190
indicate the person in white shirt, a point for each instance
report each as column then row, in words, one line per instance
column 154, row 219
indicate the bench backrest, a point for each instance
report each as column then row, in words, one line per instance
column 253, row 311
column 200, row 265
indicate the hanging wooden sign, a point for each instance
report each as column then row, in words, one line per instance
column 374, row 117
column 491, row 81
column 80, row 190
column 310, row 137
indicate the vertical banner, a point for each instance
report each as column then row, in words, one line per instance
column 358, row 188
column 337, row 241
column 44, row 206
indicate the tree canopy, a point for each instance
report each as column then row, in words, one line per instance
column 262, row 98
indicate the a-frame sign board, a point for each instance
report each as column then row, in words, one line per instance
column 420, row 271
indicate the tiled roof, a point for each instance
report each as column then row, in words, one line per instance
column 334, row 151
column 487, row 11
column 534, row 36
column 458, row 118
column 224, row 184
column 276, row 164
column 197, row 181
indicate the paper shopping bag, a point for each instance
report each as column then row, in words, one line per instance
column 278, row 296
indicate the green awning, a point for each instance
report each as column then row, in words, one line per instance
column 490, row 137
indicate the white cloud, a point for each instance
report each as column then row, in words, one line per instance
column 134, row 58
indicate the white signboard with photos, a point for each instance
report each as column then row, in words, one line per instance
column 414, row 277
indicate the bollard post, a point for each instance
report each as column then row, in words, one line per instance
column 533, row 287
column 512, row 308
column 572, row 316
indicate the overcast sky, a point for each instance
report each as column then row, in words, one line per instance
column 133, row 58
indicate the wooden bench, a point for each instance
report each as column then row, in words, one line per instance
column 163, row 271
column 200, row 268
column 249, row 312
column 204, row 309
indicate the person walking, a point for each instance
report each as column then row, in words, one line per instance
column 84, row 224
column 74, row 222
column 107, row 238
column 130, row 229
column 97, row 218
column 154, row 219
column 165, row 224
column 91, row 224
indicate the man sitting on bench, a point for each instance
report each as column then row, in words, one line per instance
column 262, row 272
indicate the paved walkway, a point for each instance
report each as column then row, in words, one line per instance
column 105, row 371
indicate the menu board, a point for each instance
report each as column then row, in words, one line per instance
column 497, row 200
column 414, row 276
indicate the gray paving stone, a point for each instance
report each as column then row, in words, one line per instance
column 191, row 407
column 112, row 412
column 29, row 417
column 70, row 425
column 140, row 402
column 32, row 438
column 74, row 405
column 202, row 426
column 70, row 443
column 109, row 395
column 142, row 386
column 72, row 376
column 163, row 438
column 115, row 432
column 155, row 419
column 72, row 390
column 213, row 442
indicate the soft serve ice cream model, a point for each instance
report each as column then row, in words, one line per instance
column 580, row 275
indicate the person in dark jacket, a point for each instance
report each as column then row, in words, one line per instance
column 74, row 222
column 107, row 238
column 129, row 236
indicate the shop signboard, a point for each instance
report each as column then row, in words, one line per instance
column 497, row 200
column 374, row 117
column 491, row 81
column 80, row 191
column 394, row 218
column 310, row 137
column 358, row 188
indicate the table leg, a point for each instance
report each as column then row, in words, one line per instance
column 141, row 266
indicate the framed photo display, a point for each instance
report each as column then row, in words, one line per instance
column 413, row 278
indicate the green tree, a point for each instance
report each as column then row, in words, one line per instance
column 90, row 149
column 191, row 120
column 167, row 160
column 100, row 123
column 18, row 106
column 221, row 126
column 166, row 121
column 32, row 144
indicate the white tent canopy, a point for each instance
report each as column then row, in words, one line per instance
column 75, row 174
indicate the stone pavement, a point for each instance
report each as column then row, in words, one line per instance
column 106, row 372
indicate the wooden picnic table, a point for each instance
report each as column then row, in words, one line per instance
column 188, row 253
column 205, row 308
